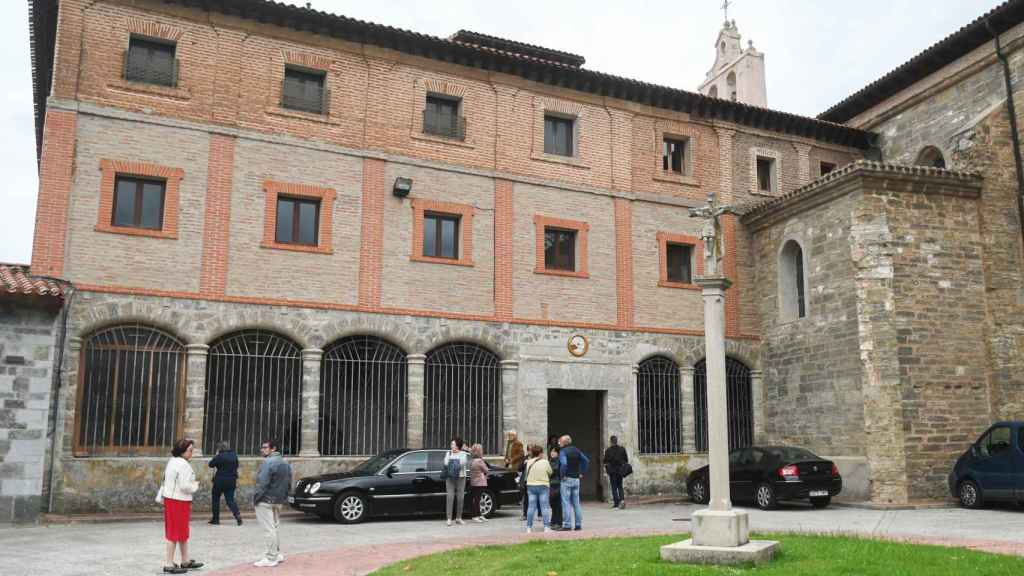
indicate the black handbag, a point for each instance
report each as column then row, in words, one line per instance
column 626, row 469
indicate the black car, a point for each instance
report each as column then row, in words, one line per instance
column 395, row 483
column 767, row 474
column 992, row 469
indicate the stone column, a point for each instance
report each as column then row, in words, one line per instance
column 718, row 428
column 510, row 398
column 686, row 410
column 414, row 400
column 757, row 396
column 633, row 418
column 195, row 394
column 310, row 440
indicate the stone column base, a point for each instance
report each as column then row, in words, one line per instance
column 720, row 528
column 686, row 552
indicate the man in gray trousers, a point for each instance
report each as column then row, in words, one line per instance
column 273, row 480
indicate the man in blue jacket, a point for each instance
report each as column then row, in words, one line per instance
column 573, row 465
column 273, row 480
column 225, row 481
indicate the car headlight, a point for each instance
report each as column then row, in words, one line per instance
column 314, row 488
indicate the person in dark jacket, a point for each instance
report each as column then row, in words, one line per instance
column 273, row 480
column 615, row 458
column 225, row 481
column 556, row 492
column 573, row 465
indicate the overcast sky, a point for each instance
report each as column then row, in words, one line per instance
column 816, row 53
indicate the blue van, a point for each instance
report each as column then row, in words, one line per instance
column 992, row 469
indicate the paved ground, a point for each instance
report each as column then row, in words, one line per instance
column 317, row 547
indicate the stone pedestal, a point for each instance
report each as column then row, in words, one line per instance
column 753, row 552
column 720, row 527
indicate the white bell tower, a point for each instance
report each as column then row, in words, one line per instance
column 738, row 73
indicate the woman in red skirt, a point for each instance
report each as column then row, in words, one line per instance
column 176, row 494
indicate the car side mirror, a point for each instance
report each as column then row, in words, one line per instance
column 391, row 470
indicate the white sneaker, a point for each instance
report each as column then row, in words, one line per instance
column 280, row 558
column 449, row 522
column 265, row 563
column 484, row 518
column 529, row 530
column 478, row 520
column 459, row 522
column 547, row 529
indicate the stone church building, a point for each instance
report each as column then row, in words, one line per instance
column 269, row 220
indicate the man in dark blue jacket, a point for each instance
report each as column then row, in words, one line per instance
column 225, row 481
column 573, row 465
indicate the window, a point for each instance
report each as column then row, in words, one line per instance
column 659, row 420
column 792, row 289
column 297, row 221
column 826, row 167
column 412, row 463
column 739, row 404
column 441, row 236
column 765, row 174
column 138, row 203
column 995, row 441
column 558, row 135
column 441, row 117
column 151, row 61
column 679, row 258
column 730, row 81
column 462, row 395
column 931, row 156
column 713, row 92
column 675, row 155
column 559, row 249
column 303, row 90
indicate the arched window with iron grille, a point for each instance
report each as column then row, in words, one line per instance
column 363, row 404
column 659, row 420
column 131, row 390
column 462, row 395
column 253, row 392
column 739, row 404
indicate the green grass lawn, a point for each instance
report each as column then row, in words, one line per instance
column 799, row 555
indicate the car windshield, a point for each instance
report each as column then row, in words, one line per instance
column 787, row 454
column 376, row 463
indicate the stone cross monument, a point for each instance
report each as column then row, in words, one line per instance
column 721, row 535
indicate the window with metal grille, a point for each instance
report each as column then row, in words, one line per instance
column 678, row 258
column 559, row 249
column 138, row 203
column 674, row 155
column 304, row 90
column 253, row 392
column 363, row 403
column 765, row 174
column 441, row 235
column 558, row 135
column 462, row 396
column 151, row 60
column 298, row 221
column 441, row 117
column 659, row 414
column 131, row 392
column 739, row 404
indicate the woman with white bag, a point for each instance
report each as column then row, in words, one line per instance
column 176, row 496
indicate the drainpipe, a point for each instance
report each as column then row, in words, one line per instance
column 1014, row 135
column 57, row 371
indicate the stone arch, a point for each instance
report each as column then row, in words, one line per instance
column 92, row 319
column 215, row 333
column 480, row 335
column 733, row 349
column 930, row 156
column 384, row 327
column 792, row 285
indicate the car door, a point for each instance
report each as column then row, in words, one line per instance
column 433, row 487
column 1018, row 467
column 399, row 490
column 736, row 459
column 993, row 465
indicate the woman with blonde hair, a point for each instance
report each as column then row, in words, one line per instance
column 538, row 482
column 176, row 495
column 477, row 481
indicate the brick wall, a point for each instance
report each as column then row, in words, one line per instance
column 658, row 305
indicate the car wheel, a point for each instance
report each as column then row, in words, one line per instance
column 970, row 494
column 821, row 501
column 350, row 508
column 765, row 497
column 699, row 491
column 487, row 506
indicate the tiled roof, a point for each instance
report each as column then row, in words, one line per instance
column 550, row 54
column 15, row 279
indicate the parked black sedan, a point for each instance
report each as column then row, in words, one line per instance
column 992, row 469
column 767, row 474
column 394, row 483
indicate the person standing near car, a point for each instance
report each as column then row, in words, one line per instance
column 573, row 465
column 273, row 480
column 225, row 481
column 538, row 484
column 477, row 481
column 456, row 465
column 615, row 458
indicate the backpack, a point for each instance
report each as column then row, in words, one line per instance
column 453, row 469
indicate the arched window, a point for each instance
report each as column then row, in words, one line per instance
column 659, row 420
column 730, row 82
column 362, row 397
column 253, row 392
column 792, row 282
column 739, row 404
column 722, row 47
column 713, row 92
column 932, row 157
column 131, row 391
column 462, row 395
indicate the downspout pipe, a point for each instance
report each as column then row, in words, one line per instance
column 1014, row 134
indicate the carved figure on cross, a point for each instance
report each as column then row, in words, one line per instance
column 711, row 233
column 725, row 8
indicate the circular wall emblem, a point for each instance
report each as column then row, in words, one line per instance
column 578, row 345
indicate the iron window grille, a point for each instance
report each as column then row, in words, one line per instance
column 131, row 391
column 739, row 404
column 305, row 90
column 659, row 412
column 298, row 221
column 441, row 236
column 558, row 135
column 441, row 118
column 679, row 260
column 462, row 396
column 151, row 61
column 674, row 155
column 559, row 249
column 363, row 397
column 253, row 392
column 138, row 202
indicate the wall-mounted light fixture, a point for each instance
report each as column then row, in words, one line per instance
column 402, row 187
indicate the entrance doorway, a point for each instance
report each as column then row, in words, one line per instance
column 578, row 413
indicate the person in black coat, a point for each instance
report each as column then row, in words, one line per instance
column 614, row 459
column 556, row 490
column 224, row 482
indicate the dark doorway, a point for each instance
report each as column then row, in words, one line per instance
column 578, row 413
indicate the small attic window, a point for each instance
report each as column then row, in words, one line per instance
column 931, row 157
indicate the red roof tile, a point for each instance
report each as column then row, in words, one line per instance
column 16, row 279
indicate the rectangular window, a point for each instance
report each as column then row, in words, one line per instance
column 441, row 236
column 441, row 117
column 765, row 174
column 826, row 167
column 558, row 135
column 304, row 90
column 138, row 203
column 679, row 260
column 673, row 155
column 151, row 61
column 801, row 299
column 297, row 221
column 560, row 249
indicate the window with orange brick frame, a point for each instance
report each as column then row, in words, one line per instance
column 580, row 255
column 325, row 226
column 111, row 169
column 464, row 212
column 666, row 238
